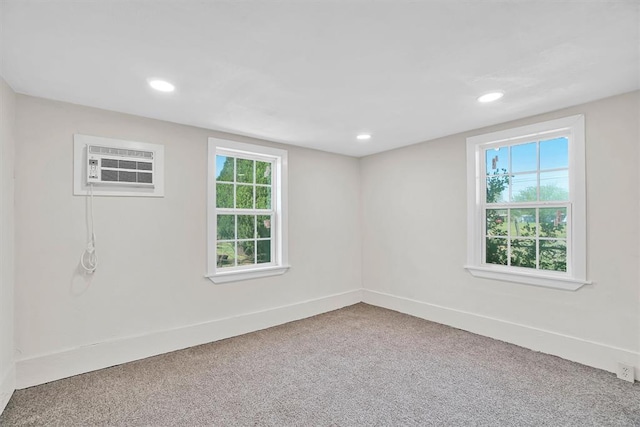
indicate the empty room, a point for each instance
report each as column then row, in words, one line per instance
column 319, row 213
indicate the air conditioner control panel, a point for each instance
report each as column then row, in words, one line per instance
column 93, row 169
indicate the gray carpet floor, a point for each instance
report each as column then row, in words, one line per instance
column 360, row 365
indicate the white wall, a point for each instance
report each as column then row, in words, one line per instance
column 7, row 142
column 414, row 244
column 149, row 294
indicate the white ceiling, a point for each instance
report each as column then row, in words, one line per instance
column 316, row 73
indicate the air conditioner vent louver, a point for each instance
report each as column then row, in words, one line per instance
column 108, row 175
column 127, row 164
column 96, row 149
column 109, row 163
column 145, row 177
column 124, row 176
column 119, row 166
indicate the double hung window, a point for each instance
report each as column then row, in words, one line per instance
column 526, row 213
column 247, row 211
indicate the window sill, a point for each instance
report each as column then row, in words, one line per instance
column 236, row 276
column 547, row 281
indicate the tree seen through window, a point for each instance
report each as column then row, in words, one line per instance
column 245, row 216
column 522, row 228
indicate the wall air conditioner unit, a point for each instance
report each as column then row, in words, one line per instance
column 115, row 167
column 119, row 166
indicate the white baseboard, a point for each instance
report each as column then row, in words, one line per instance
column 50, row 367
column 7, row 387
column 590, row 353
column 41, row 369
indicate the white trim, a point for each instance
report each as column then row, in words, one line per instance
column 54, row 366
column 50, row 367
column 526, row 277
column 578, row 193
column 7, row 387
column 80, row 187
column 280, row 188
column 535, row 130
column 576, row 275
column 586, row 352
column 254, row 273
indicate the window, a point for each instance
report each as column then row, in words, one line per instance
column 526, row 204
column 247, row 211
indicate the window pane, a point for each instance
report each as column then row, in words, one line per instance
column 497, row 222
column 263, row 173
column 264, row 226
column 553, row 222
column 523, row 253
column 496, row 250
column 244, row 196
column 524, row 188
column 524, row 157
column 497, row 189
column 224, row 168
column 263, row 197
column 553, row 255
column 246, row 253
column 246, row 226
column 497, row 160
column 224, row 195
column 554, row 153
column 554, row 186
column 245, row 170
column 523, row 222
column 226, row 227
column 226, row 254
column 264, row 251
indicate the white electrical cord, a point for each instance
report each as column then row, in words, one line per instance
column 89, row 259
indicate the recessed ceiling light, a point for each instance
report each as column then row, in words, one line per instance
column 490, row 97
column 363, row 136
column 162, row 86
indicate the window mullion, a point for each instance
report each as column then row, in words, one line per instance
column 524, row 205
column 509, row 237
column 510, row 175
column 255, row 230
column 235, row 184
column 569, row 239
column 538, row 170
column 537, row 241
column 235, row 243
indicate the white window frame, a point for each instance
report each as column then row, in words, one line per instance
column 279, row 237
column 576, row 274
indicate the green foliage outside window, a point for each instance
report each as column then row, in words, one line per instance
column 546, row 235
column 247, row 235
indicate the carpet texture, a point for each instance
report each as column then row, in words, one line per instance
column 357, row 366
